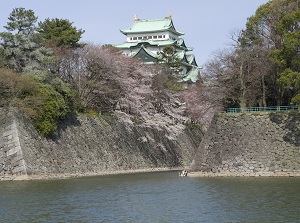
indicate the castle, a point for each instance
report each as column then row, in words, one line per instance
column 146, row 38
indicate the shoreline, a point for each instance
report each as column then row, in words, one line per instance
column 245, row 174
column 59, row 176
column 192, row 174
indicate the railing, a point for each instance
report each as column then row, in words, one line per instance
column 259, row 109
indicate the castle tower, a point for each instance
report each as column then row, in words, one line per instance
column 147, row 37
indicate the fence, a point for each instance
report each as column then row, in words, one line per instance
column 259, row 109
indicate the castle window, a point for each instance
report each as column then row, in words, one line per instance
column 139, row 37
column 154, row 37
column 134, row 38
column 160, row 36
column 149, row 37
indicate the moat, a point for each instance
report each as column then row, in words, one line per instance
column 151, row 197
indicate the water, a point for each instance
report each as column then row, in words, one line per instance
column 151, row 197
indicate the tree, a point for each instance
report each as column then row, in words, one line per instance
column 219, row 74
column 169, row 57
column 2, row 58
column 20, row 43
column 21, row 20
column 202, row 100
column 240, row 76
column 262, row 67
column 108, row 81
column 288, row 58
column 60, row 33
column 275, row 26
column 62, row 38
column 95, row 73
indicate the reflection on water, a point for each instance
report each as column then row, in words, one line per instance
column 151, row 197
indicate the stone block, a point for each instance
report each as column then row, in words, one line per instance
column 19, row 169
column 22, row 162
column 13, row 150
column 7, row 133
column 16, row 159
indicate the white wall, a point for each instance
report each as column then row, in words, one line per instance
column 151, row 36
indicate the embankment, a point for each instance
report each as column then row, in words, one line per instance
column 250, row 144
column 86, row 145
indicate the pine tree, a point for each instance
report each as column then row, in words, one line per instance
column 169, row 57
column 22, row 49
column 59, row 32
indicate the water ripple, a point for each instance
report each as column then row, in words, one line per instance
column 151, row 197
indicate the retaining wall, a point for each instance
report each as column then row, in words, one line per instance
column 87, row 145
column 250, row 144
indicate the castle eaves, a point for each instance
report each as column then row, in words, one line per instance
column 152, row 25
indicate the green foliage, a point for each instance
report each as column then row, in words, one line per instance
column 2, row 58
column 290, row 79
column 193, row 125
column 169, row 57
column 38, row 93
column 21, row 20
column 91, row 113
column 296, row 100
column 69, row 94
column 59, row 32
column 45, row 104
column 255, row 25
column 109, row 117
column 276, row 27
column 287, row 57
column 8, row 81
column 51, row 108
column 21, row 44
column 173, row 85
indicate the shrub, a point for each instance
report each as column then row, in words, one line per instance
column 43, row 103
column 51, row 107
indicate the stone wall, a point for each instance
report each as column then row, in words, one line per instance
column 250, row 144
column 86, row 145
column 11, row 155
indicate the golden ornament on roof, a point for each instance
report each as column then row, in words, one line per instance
column 169, row 16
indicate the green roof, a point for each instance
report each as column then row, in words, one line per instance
column 192, row 75
column 181, row 55
column 191, row 59
column 127, row 45
column 146, row 56
column 154, row 25
column 153, row 43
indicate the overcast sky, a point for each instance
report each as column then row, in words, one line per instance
column 206, row 23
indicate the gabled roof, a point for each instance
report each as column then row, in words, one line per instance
column 182, row 57
column 192, row 75
column 191, row 59
column 180, row 42
column 146, row 56
column 152, row 25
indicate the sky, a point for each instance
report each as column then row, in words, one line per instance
column 207, row 23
